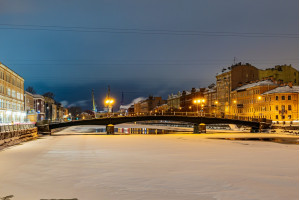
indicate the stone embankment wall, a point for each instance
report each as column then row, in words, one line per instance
column 14, row 134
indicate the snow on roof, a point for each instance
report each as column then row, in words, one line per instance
column 260, row 83
column 284, row 89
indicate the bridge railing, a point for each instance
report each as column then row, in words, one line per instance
column 199, row 114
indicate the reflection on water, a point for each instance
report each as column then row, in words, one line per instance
column 132, row 131
column 280, row 140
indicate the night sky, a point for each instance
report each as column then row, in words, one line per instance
column 157, row 47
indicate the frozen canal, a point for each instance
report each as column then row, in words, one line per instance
column 154, row 167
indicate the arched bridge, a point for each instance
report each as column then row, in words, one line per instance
column 191, row 119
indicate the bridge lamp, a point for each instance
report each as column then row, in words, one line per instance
column 216, row 102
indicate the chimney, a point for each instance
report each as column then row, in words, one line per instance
column 290, row 84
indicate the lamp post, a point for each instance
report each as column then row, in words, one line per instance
column 235, row 103
column 216, row 109
column 109, row 103
column 258, row 101
column 197, row 102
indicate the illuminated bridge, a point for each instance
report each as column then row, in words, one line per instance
column 196, row 120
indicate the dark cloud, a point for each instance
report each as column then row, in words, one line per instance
column 134, row 46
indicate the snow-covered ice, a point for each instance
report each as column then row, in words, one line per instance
column 173, row 166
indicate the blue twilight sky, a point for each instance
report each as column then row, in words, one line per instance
column 141, row 47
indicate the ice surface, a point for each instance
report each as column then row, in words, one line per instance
column 156, row 167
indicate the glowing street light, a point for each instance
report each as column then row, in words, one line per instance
column 197, row 102
column 109, row 103
column 259, row 97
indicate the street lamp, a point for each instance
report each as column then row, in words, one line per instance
column 258, row 101
column 235, row 102
column 216, row 109
column 197, row 102
column 109, row 103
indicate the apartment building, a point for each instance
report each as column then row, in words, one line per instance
column 230, row 79
column 281, row 103
column 11, row 96
column 173, row 102
column 282, row 73
column 39, row 106
column 247, row 102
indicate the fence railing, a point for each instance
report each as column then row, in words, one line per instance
column 16, row 130
column 192, row 114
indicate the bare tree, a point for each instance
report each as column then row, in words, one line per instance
column 31, row 90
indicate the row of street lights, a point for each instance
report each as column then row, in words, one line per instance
column 199, row 102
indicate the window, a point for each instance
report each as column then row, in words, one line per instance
column 276, row 116
column 282, row 97
column 270, row 108
column 289, row 116
column 13, row 93
column 289, row 97
column 276, row 97
column 283, row 117
column 276, row 108
column 283, row 107
column 8, row 91
column 289, row 107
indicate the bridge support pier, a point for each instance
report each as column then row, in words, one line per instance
column 200, row 128
column 110, row 129
column 196, row 128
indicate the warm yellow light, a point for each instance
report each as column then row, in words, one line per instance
column 198, row 101
column 190, row 107
column 259, row 97
column 203, row 100
column 216, row 102
column 109, row 101
column 195, row 101
column 234, row 101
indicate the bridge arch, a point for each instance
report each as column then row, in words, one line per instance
column 189, row 119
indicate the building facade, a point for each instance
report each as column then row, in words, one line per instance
column 282, row 73
column 29, row 107
column 187, row 100
column 211, row 105
column 173, row 102
column 147, row 106
column 39, row 106
column 230, row 79
column 282, row 103
column 11, row 96
column 247, row 102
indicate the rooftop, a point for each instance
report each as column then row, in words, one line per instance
column 284, row 89
column 259, row 83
